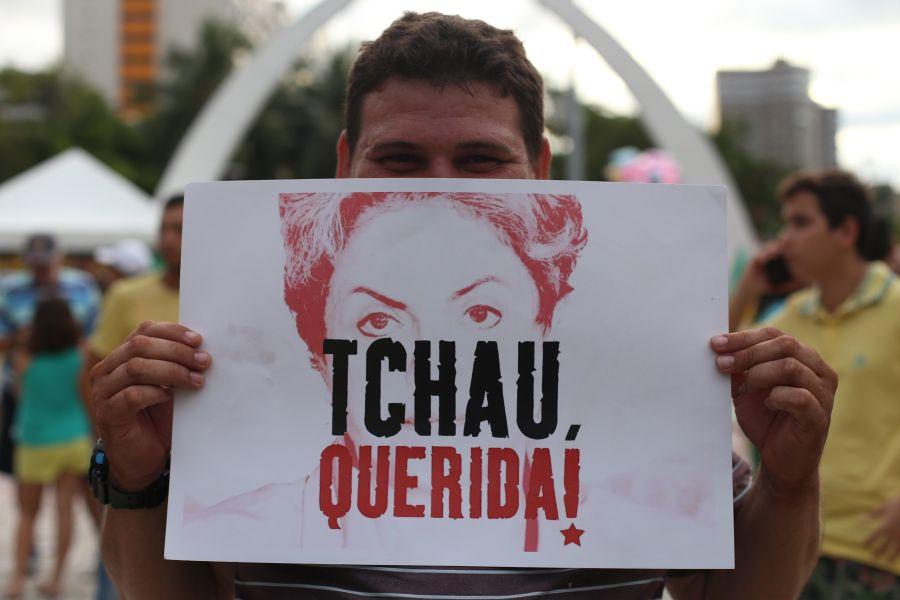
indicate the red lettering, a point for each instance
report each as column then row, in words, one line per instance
column 403, row 481
column 571, row 482
column 506, row 506
column 377, row 507
column 449, row 481
column 540, row 492
column 475, row 485
column 334, row 504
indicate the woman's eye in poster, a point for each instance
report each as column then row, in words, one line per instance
column 379, row 324
column 483, row 316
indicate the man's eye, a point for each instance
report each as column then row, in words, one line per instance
column 378, row 324
column 399, row 162
column 484, row 316
column 480, row 163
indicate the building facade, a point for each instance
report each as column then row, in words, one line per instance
column 119, row 46
column 776, row 116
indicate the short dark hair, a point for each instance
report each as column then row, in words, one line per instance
column 54, row 328
column 448, row 50
column 173, row 201
column 840, row 196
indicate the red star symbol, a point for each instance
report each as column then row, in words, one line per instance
column 572, row 535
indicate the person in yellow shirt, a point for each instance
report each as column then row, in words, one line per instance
column 128, row 303
column 851, row 316
column 152, row 297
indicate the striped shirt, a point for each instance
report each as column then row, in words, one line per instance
column 338, row 582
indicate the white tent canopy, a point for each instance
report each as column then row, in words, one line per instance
column 78, row 199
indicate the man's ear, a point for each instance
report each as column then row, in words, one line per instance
column 542, row 164
column 848, row 231
column 343, row 157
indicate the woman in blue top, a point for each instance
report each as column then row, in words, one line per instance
column 53, row 434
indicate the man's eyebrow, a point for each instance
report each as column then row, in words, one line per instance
column 393, row 146
column 485, row 145
column 462, row 292
column 381, row 298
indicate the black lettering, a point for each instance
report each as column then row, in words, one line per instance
column 444, row 387
column 341, row 350
column 486, row 386
column 549, row 390
column 396, row 355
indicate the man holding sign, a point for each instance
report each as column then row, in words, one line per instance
column 439, row 96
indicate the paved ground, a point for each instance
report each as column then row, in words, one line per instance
column 80, row 580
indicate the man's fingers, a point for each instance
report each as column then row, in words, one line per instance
column 782, row 346
column 145, row 346
column 895, row 553
column 123, row 406
column 146, row 371
column 873, row 537
column 883, row 547
column 174, row 332
column 802, row 406
column 169, row 331
column 787, row 371
column 732, row 342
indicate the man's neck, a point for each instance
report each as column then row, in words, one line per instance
column 843, row 278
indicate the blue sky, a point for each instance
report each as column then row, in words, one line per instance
column 851, row 46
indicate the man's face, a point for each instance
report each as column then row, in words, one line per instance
column 45, row 272
column 810, row 246
column 411, row 128
column 170, row 236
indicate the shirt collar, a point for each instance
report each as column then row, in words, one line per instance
column 871, row 290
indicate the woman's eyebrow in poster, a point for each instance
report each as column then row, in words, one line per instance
column 380, row 297
column 462, row 292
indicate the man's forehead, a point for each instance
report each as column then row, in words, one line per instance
column 416, row 111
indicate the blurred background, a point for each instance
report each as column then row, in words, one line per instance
column 96, row 95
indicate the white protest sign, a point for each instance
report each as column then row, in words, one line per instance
column 454, row 372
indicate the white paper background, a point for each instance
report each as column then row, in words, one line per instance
column 636, row 372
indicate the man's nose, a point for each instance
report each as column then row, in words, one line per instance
column 442, row 166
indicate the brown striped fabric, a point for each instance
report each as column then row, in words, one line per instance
column 336, row 582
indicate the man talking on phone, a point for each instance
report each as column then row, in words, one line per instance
column 851, row 315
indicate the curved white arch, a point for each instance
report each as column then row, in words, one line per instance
column 699, row 161
column 204, row 151
column 212, row 138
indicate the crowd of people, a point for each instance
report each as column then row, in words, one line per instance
column 55, row 324
column 440, row 96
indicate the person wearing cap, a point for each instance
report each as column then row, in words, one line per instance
column 20, row 291
column 125, row 258
column 132, row 300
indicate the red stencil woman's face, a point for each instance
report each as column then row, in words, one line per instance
column 427, row 272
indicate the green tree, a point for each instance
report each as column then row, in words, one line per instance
column 45, row 113
column 757, row 178
column 189, row 79
column 294, row 137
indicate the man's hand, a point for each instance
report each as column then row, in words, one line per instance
column 885, row 540
column 132, row 391
column 783, row 394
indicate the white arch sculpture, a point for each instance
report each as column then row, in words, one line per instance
column 210, row 141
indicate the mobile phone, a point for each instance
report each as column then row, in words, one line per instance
column 777, row 271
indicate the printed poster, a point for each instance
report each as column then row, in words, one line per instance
column 454, row 372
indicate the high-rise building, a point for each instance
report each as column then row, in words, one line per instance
column 120, row 45
column 778, row 119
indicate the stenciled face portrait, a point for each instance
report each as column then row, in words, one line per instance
column 452, row 267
